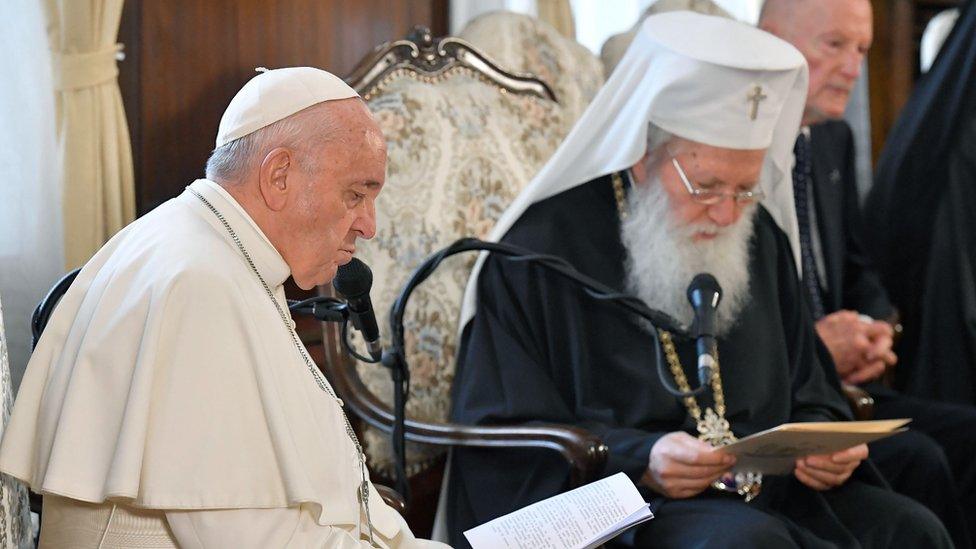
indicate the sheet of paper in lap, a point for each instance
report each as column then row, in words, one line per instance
column 774, row 451
column 579, row 519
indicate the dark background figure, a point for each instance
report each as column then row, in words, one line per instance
column 921, row 224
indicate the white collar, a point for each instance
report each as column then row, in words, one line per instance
column 267, row 260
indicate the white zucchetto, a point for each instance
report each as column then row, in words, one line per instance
column 277, row 94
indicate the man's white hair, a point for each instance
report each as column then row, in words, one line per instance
column 662, row 257
column 303, row 132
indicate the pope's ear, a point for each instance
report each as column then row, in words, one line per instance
column 273, row 177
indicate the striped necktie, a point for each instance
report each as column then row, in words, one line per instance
column 802, row 178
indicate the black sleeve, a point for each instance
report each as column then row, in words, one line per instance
column 507, row 373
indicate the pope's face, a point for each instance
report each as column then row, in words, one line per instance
column 708, row 168
column 833, row 36
column 336, row 203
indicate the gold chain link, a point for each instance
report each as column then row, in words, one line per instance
column 619, row 194
column 674, row 363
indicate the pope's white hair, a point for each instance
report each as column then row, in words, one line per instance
column 303, row 132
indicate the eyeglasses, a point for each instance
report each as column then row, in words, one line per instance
column 709, row 197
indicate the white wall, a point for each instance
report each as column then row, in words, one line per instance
column 597, row 20
column 31, row 257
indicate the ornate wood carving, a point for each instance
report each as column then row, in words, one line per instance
column 424, row 57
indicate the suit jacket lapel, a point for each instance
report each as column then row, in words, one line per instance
column 828, row 196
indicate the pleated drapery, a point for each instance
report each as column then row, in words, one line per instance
column 93, row 139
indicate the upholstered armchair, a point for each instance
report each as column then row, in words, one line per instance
column 464, row 137
column 15, row 522
column 521, row 43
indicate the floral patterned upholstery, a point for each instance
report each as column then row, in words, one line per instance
column 460, row 150
column 15, row 523
column 520, row 43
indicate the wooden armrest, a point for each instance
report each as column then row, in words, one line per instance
column 584, row 451
column 861, row 403
column 392, row 498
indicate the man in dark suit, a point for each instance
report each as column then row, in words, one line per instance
column 934, row 462
column 853, row 315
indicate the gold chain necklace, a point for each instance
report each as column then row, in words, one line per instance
column 712, row 428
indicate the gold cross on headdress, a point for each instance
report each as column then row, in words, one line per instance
column 755, row 97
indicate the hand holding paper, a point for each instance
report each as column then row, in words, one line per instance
column 681, row 466
column 824, row 472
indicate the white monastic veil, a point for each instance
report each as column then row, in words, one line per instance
column 692, row 75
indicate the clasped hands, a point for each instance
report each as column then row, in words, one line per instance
column 681, row 466
column 860, row 347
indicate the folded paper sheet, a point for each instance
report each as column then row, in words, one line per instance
column 582, row 518
column 774, row 451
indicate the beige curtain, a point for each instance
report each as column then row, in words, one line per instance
column 559, row 14
column 93, row 138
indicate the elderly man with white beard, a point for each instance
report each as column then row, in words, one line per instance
column 681, row 165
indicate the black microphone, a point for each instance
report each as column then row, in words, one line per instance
column 353, row 281
column 704, row 294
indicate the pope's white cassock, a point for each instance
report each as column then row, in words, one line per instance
column 167, row 392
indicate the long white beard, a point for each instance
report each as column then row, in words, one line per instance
column 662, row 257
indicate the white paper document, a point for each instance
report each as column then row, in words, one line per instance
column 579, row 519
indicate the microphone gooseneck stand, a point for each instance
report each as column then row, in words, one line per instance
column 329, row 309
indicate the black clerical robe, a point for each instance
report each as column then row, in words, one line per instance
column 921, row 221
column 934, row 460
column 539, row 349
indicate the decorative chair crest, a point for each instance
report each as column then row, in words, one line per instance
column 427, row 59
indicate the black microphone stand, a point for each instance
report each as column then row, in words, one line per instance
column 329, row 309
column 325, row 309
column 395, row 357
